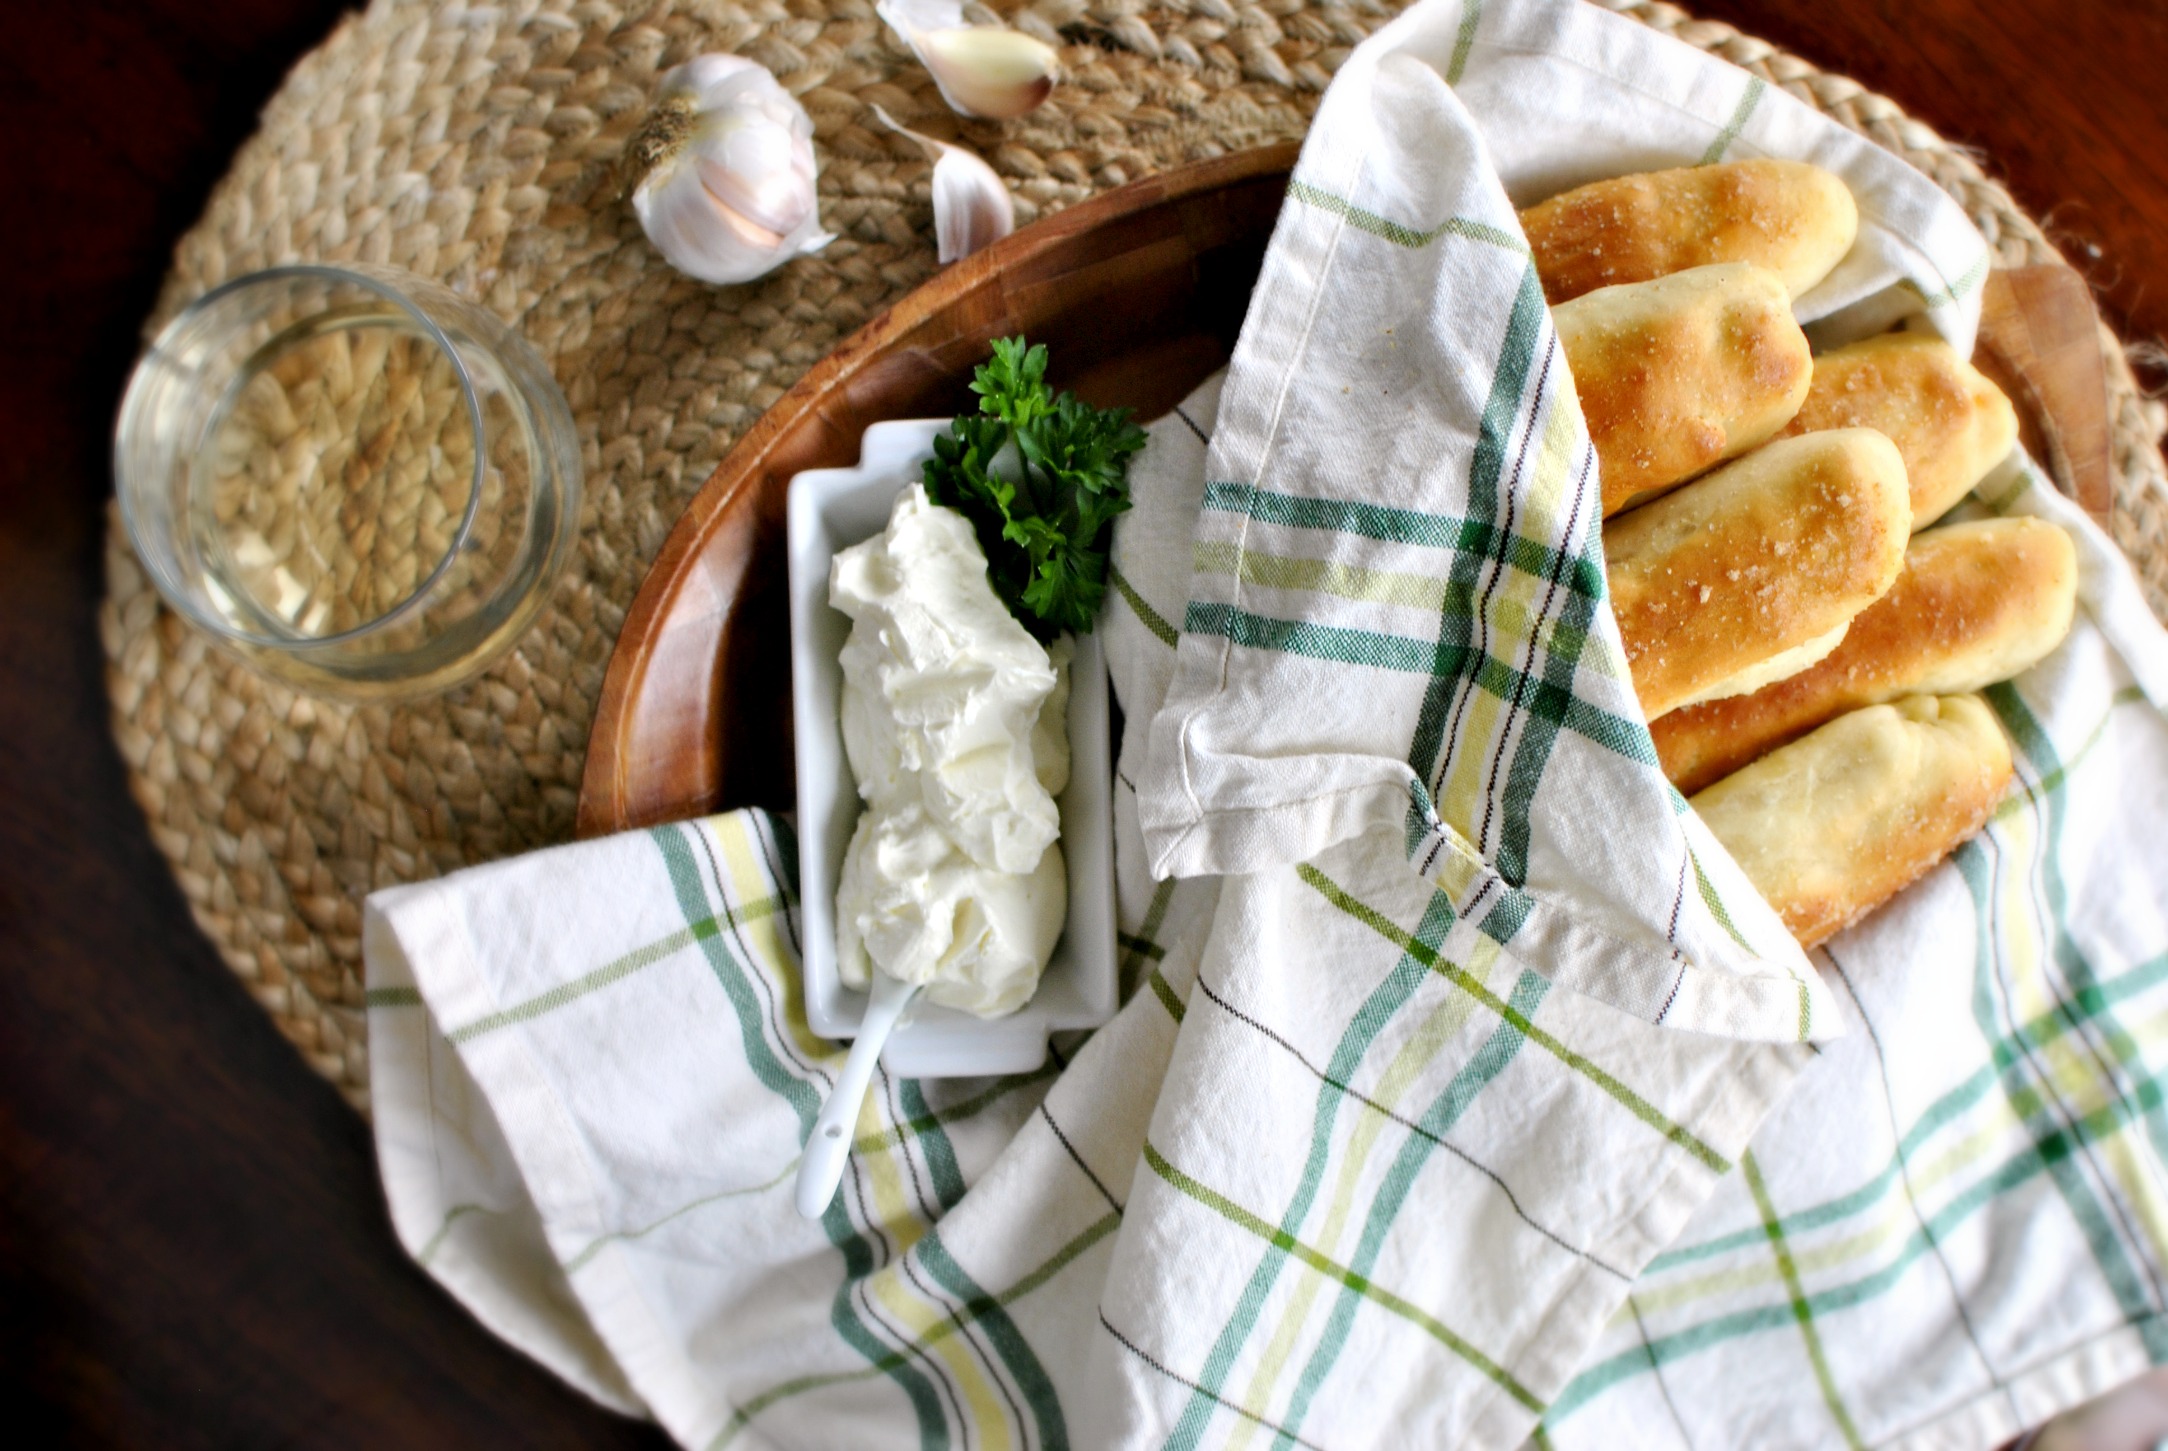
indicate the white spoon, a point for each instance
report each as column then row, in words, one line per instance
column 826, row 1152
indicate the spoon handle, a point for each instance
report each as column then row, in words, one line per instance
column 829, row 1148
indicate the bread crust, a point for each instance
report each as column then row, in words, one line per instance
column 1678, row 374
column 1948, row 420
column 1833, row 825
column 1975, row 603
column 1758, row 558
column 1780, row 666
column 1795, row 219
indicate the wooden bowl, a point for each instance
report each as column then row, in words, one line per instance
column 1137, row 293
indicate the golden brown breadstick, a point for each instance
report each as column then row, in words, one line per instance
column 1765, row 560
column 1679, row 374
column 1795, row 219
column 1836, row 823
column 1951, row 424
column 1975, row 603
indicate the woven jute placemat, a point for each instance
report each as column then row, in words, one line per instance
column 473, row 143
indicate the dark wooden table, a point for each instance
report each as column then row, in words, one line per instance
column 193, row 1247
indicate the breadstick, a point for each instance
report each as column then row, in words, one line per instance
column 1975, row 603
column 1679, row 374
column 1836, row 823
column 1798, row 220
column 1951, row 424
column 1767, row 555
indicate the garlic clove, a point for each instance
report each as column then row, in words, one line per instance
column 997, row 74
column 971, row 208
column 703, row 238
column 773, row 198
column 723, row 172
column 983, row 71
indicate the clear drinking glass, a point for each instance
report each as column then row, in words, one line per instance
column 355, row 478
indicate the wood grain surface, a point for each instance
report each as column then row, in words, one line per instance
column 193, row 1247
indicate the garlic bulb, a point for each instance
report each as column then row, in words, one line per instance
column 983, row 71
column 721, row 173
column 971, row 207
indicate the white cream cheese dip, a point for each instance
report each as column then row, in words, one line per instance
column 954, row 720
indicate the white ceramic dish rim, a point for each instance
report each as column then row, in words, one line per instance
column 831, row 509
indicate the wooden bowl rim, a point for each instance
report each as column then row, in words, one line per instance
column 602, row 778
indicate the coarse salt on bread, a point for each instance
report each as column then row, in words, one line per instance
column 1795, row 219
column 1948, row 420
column 1763, row 556
column 1975, row 604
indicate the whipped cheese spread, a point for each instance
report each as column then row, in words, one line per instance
column 954, row 721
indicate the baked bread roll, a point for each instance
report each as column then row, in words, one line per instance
column 1766, row 555
column 1795, row 219
column 1951, row 424
column 1975, row 603
column 1679, row 374
column 1833, row 825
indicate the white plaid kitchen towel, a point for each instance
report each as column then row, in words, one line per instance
column 1439, row 1111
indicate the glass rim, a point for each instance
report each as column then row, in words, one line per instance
column 385, row 283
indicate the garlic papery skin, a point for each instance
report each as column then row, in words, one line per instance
column 982, row 70
column 971, row 208
column 723, row 172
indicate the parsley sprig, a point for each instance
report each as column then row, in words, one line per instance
column 1044, row 514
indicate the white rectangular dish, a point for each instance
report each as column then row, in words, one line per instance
column 830, row 510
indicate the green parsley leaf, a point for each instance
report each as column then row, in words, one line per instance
column 1042, row 477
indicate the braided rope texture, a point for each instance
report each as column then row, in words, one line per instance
column 474, row 144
